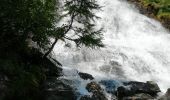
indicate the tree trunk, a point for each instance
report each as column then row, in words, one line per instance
column 52, row 46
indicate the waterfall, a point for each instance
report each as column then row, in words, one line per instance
column 136, row 48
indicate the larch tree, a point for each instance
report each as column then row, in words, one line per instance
column 81, row 24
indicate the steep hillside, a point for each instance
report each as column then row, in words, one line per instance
column 158, row 9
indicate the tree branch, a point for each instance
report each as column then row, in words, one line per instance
column 56, row 39
column 52, row 47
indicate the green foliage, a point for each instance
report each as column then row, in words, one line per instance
column 163, row 6
column 160, row 9
column 37, row 19
column 81, row 12
column 22, row 68
column 21, row 18
column 84, row 33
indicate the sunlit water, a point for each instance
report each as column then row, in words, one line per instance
column 137, row 48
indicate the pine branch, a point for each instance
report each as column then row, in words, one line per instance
column 56, row 39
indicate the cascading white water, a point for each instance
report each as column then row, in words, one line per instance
column 137, row 47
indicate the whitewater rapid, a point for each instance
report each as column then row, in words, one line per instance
column 136, row 47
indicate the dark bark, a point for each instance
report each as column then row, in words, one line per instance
column 56, row 39
column 51, row 48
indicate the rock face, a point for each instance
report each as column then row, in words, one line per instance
column 165, row 21
column 86, row 76
column 140, row 96
column 3, row 87
column 96, row 90
column 140, row 87
column 149, row 10
column 57, row 90
column 166, row 96
column 137, row 90
column 152, row 11
column 52, row 68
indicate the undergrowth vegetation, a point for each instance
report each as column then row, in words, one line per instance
column 159, row 9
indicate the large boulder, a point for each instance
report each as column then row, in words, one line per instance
column 85, row 76
column 131, row 89
column 139, row 87
column 96, row 90
column 93, row 87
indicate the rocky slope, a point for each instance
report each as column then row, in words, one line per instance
column 155, row 9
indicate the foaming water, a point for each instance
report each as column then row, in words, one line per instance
column 137, row 47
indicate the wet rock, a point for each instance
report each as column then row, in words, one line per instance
column 131, row 89
column 86, row 97
column 153, row 87
column 93, row 87
column 123, row 92
column 166, row 96
column 98, row 96
column 141, row 96
column 96, row 90
column 86, row 76
column 139, row 87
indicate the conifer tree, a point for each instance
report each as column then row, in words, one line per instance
column 80, row 12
